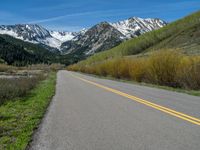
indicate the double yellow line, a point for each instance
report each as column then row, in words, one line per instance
column 147, row 103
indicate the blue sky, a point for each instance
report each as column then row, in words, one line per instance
column 77, row 14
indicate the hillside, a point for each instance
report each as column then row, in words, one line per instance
column 183, row 34
column 105, row 35
column 169, row 56
column 17, row 52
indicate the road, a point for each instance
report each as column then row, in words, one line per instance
column 89, row 113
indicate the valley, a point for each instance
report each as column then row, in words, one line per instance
column 117, row 82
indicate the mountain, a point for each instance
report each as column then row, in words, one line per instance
column 106, row 35
column 169, row 56
column 75, row 46
column 135, row 26
column 37, row 34
column 86, row 42
column 183, row 34
column 100, row 37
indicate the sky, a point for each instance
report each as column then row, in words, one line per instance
column 73, row 15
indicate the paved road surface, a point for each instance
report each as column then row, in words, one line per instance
column 84, row 115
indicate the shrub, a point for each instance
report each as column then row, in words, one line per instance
column 165, row 67
column 188, row 73
column 122, row 66
column 137, row 69
column 162, row 67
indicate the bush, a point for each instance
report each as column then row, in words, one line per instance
column 164, row 67
column 137, row 69
column 188, row 73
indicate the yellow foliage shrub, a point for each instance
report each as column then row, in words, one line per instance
column 137, row 69
column 164, row 67
column 188, row 73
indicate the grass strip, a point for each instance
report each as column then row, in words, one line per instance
column 19, row 118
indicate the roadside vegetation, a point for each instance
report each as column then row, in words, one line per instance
column 18, row 81
column 18, row 86
column 25, row 93
column 165, row 67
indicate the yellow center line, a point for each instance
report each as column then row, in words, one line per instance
column 147, row 103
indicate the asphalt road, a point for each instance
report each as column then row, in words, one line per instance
column 89, row 113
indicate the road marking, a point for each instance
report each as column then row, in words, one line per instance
column 146, row 102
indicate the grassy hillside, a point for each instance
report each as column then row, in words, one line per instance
column 184, row 34
column 187, row 40
column 168, row 56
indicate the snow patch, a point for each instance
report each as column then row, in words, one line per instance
column 62, row 36
column 52, row 42
column 11, row 33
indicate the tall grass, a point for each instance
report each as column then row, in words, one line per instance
column 44, row 67
column 11, row 88
column 164, row 67
column 22, row 79
column 52, row 67
column 6, row 68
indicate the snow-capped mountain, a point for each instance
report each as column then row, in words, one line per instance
column 104, row 36
column 86, row 42
column 100, row 37
column 135, row 26
column 37, row 34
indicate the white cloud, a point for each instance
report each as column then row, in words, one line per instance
column 73, row 15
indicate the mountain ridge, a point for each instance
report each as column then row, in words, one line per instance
column 37, row 34
column 91, row 41
column 182, row 34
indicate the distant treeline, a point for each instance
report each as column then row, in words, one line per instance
column 19, row 53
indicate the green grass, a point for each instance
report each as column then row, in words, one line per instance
column 19, row 118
